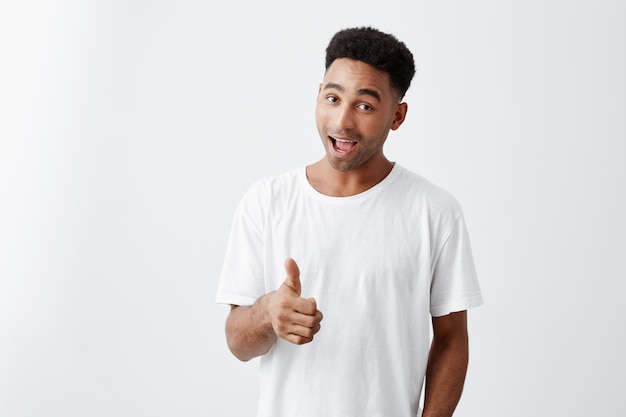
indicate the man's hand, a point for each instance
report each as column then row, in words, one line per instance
column 251, row 331
column 293, row 318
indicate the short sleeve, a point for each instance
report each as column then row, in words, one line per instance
column 454, row 285
column 241, row 280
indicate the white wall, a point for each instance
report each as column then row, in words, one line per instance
column 129, row 130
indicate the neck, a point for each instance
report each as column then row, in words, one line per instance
column 329, row 181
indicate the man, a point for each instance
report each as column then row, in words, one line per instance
column 383, row 253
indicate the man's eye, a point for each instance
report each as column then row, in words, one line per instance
column 332, row 99
column 364, row 107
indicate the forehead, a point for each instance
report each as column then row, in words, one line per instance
column 353, row 76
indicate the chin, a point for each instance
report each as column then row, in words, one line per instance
column 341, row 166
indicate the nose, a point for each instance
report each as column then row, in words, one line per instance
column 344, row 118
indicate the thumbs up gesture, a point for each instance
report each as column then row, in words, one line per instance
column 293, row 318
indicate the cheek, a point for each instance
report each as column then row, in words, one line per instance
column 321, row 115
column 318, row 110
column 375, row 127
column 320, row 120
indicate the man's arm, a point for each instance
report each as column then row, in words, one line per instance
column 447, row 365
column 249, row 332
column 252, row 330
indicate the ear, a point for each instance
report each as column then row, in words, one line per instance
column 399, row 116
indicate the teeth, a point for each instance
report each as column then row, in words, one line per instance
column 343, row 140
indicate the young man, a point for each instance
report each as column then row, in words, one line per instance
column 383, row 253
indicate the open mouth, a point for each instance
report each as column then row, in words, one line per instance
column 342, row 145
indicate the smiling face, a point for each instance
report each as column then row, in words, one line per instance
column 356, row 108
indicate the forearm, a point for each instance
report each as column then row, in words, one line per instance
column 445, row 376
column 249, row 331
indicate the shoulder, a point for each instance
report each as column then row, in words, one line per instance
column 268, row 189
column 425, row 193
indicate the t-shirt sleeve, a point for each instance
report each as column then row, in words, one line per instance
column 454, row 285
column 242, row 279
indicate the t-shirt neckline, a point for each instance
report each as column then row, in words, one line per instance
column 370, row 192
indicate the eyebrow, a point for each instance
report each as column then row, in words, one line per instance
column 361, row 91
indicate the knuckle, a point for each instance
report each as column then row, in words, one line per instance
column 301, row 340
column 282, row 316
column 283, row 302
column 279, row 327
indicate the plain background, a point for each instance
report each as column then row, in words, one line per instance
column 130, row 129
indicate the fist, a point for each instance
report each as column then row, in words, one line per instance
column 294, row 318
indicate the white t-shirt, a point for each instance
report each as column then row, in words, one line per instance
column 379, row 264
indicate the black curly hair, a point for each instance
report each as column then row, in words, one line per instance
column 378, row 49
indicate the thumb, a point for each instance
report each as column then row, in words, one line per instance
column 293, row 276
